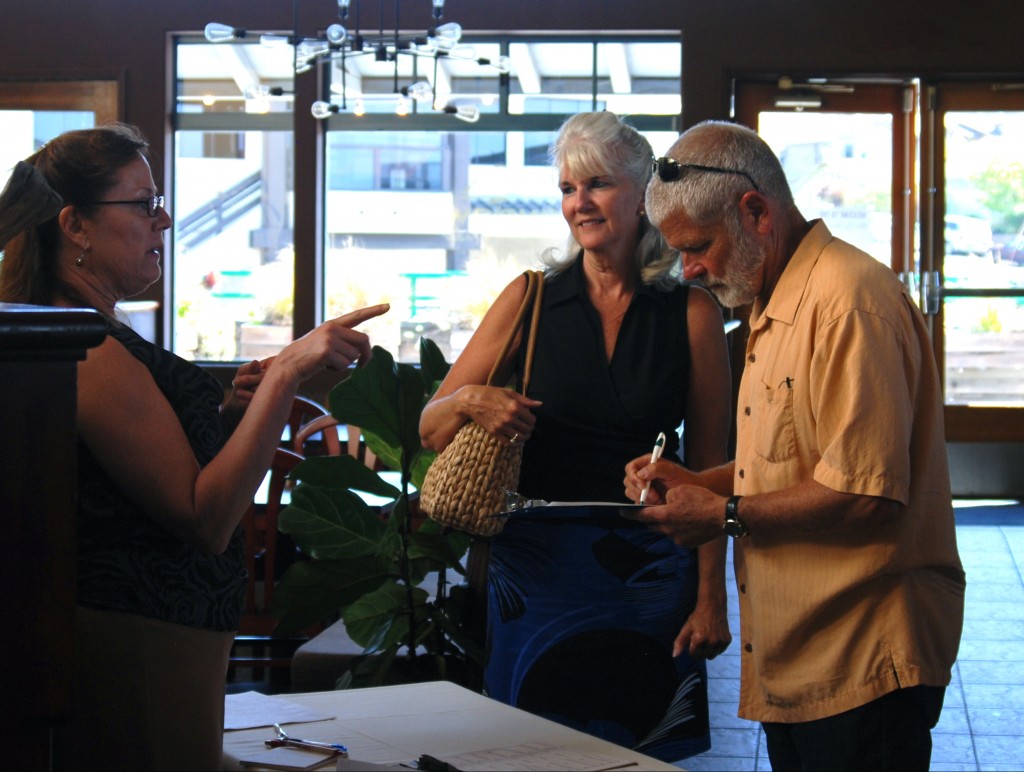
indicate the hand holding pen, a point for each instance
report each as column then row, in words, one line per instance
column 659, row 447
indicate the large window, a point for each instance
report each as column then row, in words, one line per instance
column 429, row 213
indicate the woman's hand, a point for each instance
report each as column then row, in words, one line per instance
column 243, row 386
column 662, row 475
column 334, row 345
column 706, row 633
column 505, row 413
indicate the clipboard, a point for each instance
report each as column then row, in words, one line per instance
column 600, row 513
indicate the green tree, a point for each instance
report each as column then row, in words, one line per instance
column 1002, row 191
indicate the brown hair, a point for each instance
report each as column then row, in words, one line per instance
column 74, row 168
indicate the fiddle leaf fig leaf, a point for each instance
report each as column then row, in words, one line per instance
column 368, row 398
column 380, row 618
column 342, row 473
column 432, row 364
column 331, row 524
column 310, row 591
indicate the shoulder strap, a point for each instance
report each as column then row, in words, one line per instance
column 532, row 298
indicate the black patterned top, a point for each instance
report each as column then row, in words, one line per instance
column 126, row 561
column 598, row 415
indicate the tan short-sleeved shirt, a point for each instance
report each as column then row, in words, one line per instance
column 840, row 386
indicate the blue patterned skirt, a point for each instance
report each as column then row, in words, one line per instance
column 583, row 609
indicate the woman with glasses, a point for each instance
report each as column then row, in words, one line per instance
column 161, row 485
column 594, row 623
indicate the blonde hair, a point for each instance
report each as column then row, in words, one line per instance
column 601, row 143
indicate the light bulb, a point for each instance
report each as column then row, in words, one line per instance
column 336, row 34
column 447, row 35
column 438, row 8
column 220, row 33
column 321, row 109
column 402, row 108
column 467, row 113
column 421, row 91
column 359, row 109
column 343, row 8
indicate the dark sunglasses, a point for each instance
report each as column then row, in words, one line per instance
column 152, row 205
column 669, row 169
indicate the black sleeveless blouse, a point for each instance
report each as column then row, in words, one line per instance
column 598, row 415
column 129, row 563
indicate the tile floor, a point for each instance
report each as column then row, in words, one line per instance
column 982, row 723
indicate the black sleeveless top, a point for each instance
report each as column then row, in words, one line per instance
column 598, row 415
column 126, row 561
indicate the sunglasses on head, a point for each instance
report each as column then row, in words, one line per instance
column 669, row 169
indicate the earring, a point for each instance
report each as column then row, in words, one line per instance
column 642, row 212
column 81, row 259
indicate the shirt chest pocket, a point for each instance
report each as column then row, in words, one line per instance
column 774, row 430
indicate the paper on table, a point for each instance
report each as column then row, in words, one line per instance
column 536, row 756
column 249, row 710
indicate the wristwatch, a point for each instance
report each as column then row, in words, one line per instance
column 732, row 525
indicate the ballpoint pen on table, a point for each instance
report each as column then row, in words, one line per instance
column 659, row 446
column 335, row 749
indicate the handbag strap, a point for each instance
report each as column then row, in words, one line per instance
column 534, row 295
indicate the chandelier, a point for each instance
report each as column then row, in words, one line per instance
column 338, row 43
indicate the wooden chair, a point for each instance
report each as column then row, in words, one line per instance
column 255, row 645
column 303, row 411
column 321, row 436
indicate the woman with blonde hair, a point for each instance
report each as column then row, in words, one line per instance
column 594, row 623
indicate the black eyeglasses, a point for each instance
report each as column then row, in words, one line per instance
column 152, row 206
column 669, row 169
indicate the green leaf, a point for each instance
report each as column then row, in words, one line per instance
column 420, row 464
column 432, row 363
column 379, row 619
column 435, row 547
column 331, row 524
column 342, row 473
column 311, row 592
column 369, row 396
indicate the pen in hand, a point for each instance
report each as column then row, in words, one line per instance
column 659, row 446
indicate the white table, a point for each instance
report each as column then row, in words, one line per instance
column 396, row 724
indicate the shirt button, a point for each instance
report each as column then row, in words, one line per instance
column 743, row 588
column 746, row 410
column 752, row 357
column 747, row 648
column 742, row 474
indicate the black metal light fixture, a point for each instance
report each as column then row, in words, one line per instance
column 338, row 43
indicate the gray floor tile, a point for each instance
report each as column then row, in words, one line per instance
column 1003, row 630
column 952, row 749
column 952, row 721
column 981, row 650
column 995, row 696
column 998, row 721
column 994, row 610
column 1005, row 750
column 992, row 672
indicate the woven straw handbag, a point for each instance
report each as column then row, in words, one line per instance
column 466, row 484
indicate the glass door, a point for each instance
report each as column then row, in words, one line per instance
column 977, row 240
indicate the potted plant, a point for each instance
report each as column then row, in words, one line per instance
column 366, row 563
